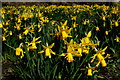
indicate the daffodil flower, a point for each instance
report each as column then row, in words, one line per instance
column 32, row 45
column 47, row 50
column 10, row 32
column 100, row 58
column 69, row 57
column 70, row 52
column 117, row 39
column 17, row 26
column 75, row 25
column 20, row 36
column 1, row 26
column 19, row 52
column 116, row 22
column 63, row 31
column 86, row 21
column 89, row 70
column 97, row 29
column 3, row 38
column 28, row 30
column 86, row 40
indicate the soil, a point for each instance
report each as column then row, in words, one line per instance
column 7, row 71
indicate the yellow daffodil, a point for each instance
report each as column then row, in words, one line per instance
column 19, row 52
column 17, row 26
column 20, row 36
column 103, row 17
column 116, row 24
column 19, row 20
column 75, row 25
column 47, row 50
column 1, row 25
column 3, row 38
column 106, row 32
column 86, row 39
column 97, row 29
column 64, row 35
column 10, row 32
column 63, row 31
column 28, row 30
column 86, row 22
column 69, row 57
column 32, row 44
column 73, row 18
column 89, row 72
column 7, row 22
column 100, row 58
column 117, row 39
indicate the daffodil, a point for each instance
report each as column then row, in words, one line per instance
column 1, row 26
column 32, row 44
column 47, row 50
column 71, row 51
column 117, row 39
column 3, row 38
column 97, row 29
column 116, row 24
column 19, row 52
column 20, row 36
column 103, row 17
column 28, row 30
column 75, row 25
column 11, row 33
column 100, row 57
column 17, row 26
column 86, row 22
column 86, row 39
column 106, row 32
column 63, row 31
column 89, row 70
column 69, row 57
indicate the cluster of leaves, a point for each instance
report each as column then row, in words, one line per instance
column 79, row 31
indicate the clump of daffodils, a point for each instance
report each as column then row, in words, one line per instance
column 63, row 31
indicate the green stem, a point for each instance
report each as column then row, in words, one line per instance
column 79, row 66
column 10, row 46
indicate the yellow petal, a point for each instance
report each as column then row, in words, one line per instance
column 89, row 34
column 51, row 45
column 44, row 47
column 41, row 51
column 52, row 52
column 63, row 54
column 105, row 48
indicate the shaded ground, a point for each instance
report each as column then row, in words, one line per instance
column 108, row 73
column 7, row 71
